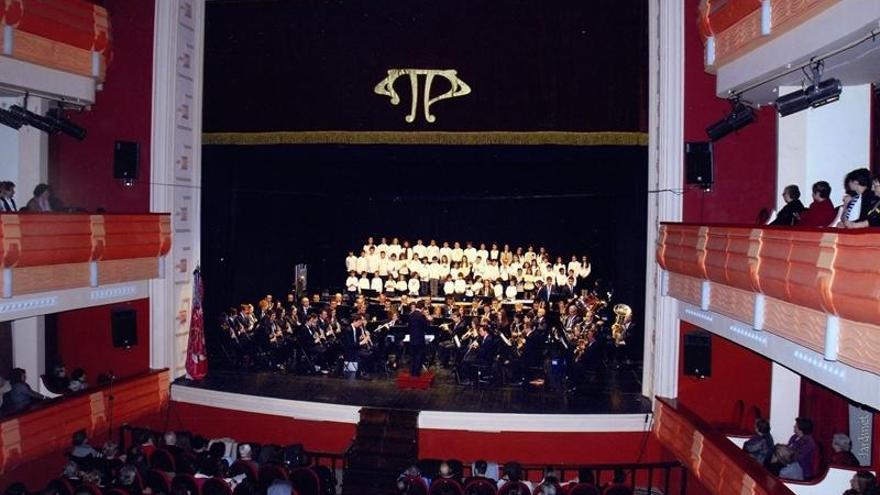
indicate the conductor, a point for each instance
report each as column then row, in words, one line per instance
column 417, row 327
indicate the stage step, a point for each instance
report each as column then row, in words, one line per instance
column 385, row 444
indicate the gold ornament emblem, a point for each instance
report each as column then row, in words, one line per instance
column 386, row 88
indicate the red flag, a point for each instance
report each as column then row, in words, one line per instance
column 196, row 354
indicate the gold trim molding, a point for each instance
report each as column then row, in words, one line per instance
column 536, row 138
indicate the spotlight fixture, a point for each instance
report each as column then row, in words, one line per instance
column 818, row 94
column 62, row 124
column 33, row 120
column 740, row 116
column 10, row 119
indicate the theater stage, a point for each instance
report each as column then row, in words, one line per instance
column 501, row 407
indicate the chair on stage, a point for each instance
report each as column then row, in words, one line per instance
column 584, row 489
column 514, row 488
column 480, row 487
column 305, row 481
column 446, row 486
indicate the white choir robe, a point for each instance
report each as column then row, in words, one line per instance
column 445, row 251
column 414, row 286
column 351, row 284
column 373, row 263
column 491, row 272
column 504, row 272
column 493, row 254
column 498, row 289
column 476, row 287
column 449, row 287
column 364, row 283
column 367, row 247
column 510, row 292
column 456, row 255
column 433, row 252
column 401, row 286
column 460, row 286
column 351, row 263
column 419, row 250
column 561, row 279
column 436, row 271
column 585, row 271
column 376, row 284
column 470, row 254
column 361, row 266
column 390, row 285
column 574, row 265
column 394, row 249
column 382, row 248
column 384, row 263
column 483, row 254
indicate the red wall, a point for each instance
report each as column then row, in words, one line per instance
column 738, row 374
column 82, row 172
column 212, row 422
column 84, row 341
column 745, row 162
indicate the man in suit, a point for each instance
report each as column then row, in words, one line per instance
column 546, row 292
column 355, row 349
column 482, row 353
column 568, row 290
column 417, row 328
column 586, row 368
column 7, row 191
column 308, row 338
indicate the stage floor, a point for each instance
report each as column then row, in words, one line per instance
column 619, row 393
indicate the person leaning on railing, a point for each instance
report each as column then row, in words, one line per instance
column 871, row 214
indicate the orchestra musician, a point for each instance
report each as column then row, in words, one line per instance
column 312, row 342
column 417, row 328
column 357, row 345
column 481, row 352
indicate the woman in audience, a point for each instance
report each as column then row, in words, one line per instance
column 760, row 445
column 843, row 456
column 21, row 395
column 784, row 464
column 77, row 380
column 790, row 213
column 863, row 483
column 821, row 212
column 804, row 446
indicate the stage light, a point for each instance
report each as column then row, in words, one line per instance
column 33, row 120
column 10, row 119
column 56, row 117
column 740, row 116
column 818, row 94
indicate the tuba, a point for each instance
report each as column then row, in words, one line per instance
column 618, row 330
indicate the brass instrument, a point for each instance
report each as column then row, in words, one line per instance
column 618, row 329
column 366, row 339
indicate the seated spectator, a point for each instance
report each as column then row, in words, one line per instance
column 77, row 380
column 145, row 440
column 58, row 381
column 137, row 458
column 411, row 472
column 126, row 478
column 21, row 396
column 245, row 453
column 790, row 213
column 760, row 445
column 7, row 191
column 42, row 200
column 872, row 217
column 784, row 463
column 821, row 212
column 479, row 472
column 804, row 446
column 585, row 475
column 170, row 443
column 71, row 471
column 860, row 200
column 81, row 448
column 513, row 473
column 279, row 487
column 842, row 447
column 863, row 483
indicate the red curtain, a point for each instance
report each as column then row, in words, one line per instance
column 829, row 412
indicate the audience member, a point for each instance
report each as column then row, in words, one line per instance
column 42, row 200
column 872, row 217
column 864, row 483
column 81, row 448
column 513, row 473
column 790, row 213
column 58, row 381
column 784, row 463
column 842, row 455
column 479, row 472
column 21, row 396
column 760, row 445
column 804, row 446
column 860, row 200
column 5, row 387
column 7, row 203
column 77, row 380
column 821, row 212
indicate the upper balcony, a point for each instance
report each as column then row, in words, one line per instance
column 807, row 298
column 54, row 262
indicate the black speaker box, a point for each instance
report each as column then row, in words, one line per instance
column 126, row 155
column 123, row 324
column 698, row 164
column 698, row 354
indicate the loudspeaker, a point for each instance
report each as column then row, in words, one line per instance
column 698, row 354
column 123, row 324
column 698, row 163
column 126, row 155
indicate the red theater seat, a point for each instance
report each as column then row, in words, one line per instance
column 583, row 489
column 246, row 467
column 157, row 481
column 514, row 488
column 269, row 473
column 415, row 485
column 216, row 486
column 446, row 486
column 616, row 489
column 305, row 481
column 187, row 482
column 480, row 487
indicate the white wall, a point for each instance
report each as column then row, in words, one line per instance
column 824, row 143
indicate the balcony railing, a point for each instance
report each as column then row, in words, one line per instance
column 48, row 426
column 819, row 288
column 45, row 252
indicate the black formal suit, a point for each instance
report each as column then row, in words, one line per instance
column 417, row 328
column 568, row 291
column 302, row 313
column 353, row 351
column 546, row 293
column 790, row 213
column 869, row 200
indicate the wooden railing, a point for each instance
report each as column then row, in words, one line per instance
column 817, row 287
column 43, row 252
column 716, row 462
column 47, row 427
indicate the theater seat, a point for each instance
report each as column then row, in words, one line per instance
column 157, row 481
column 269, row 473
column 92, row 488
column 583, row 489
column 62, row 485
column 480, row 487
column 216, row 486
column 305, row 481
column 444, row 486
column 163, row 460
column 539, row 489
column 616, row 489
column 415, row 485
column 248, row 468
column 186, row 482
column 514, row 488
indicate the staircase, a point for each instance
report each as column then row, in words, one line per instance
column 386, row 443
